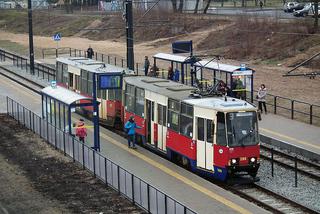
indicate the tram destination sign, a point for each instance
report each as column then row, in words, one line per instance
column 110, row 81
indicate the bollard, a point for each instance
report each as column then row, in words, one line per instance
column 295, row 171
column 272, row 162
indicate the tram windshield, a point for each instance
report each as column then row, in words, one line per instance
column 242, row 129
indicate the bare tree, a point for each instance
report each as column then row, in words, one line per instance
column 174, row 5
column 316, row 15
column 196, row 7
column 180, row 6
column 207, row 6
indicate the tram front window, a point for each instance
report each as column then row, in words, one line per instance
column 242, row 129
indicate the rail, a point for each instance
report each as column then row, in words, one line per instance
column 40, row 70
column 293, row 109
column 138, row 191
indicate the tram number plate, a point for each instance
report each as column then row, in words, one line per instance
column 243, row 158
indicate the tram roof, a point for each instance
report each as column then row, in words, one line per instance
column 172, row 57
column 164, row 87
column 93, row 66
column 63, row 95
column 219, row 103
column 219, row 66
column 181, row 92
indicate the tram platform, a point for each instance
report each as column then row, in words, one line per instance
column 292, row 135
column 193, row 191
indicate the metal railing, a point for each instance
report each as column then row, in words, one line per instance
column 293, row 109
column 138, row 191
column 40, row 70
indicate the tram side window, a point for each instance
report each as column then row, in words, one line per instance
column 173, row 115
column 221, row 129
column 59, row 72
column 90, row 84
column 210, row 131
column 186, row 120
column 129, row 98
column 65, row 73
column 114, row 94
column 139, row 108
column 84, row 81
column 201, row 129
column 162, row 112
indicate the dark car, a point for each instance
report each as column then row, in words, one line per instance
column 293, row 6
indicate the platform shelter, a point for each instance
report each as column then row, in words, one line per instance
column 58, row 103
column 213, row 71
column 179, row 63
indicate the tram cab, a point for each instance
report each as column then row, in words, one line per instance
column 226, row 136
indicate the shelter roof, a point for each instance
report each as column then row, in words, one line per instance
column 218, row 66
column 172, row 57
column 63, row 95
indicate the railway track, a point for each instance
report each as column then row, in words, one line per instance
column 270, row 200
column 304, row 167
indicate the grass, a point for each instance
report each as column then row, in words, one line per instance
column 18, row 48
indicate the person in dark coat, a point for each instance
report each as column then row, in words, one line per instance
column 90, row 52
column 146, row 65
column 170, row 73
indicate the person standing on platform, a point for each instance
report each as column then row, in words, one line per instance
column 261, row 96
column 90, row 52
column 170, row 73
column 146, row 65
column 131, row 127
column 81, row 130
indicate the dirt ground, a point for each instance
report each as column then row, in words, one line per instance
column 35, row 178
column 300, row 88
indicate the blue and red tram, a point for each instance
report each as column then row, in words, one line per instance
column 215, row 136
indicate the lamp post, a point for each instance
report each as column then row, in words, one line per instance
column 31, row 52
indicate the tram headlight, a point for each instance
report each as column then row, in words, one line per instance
column 233, row 161
column 252, row 160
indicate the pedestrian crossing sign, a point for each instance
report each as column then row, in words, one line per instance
column 57, row 37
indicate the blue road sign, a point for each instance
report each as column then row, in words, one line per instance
column 57, row 37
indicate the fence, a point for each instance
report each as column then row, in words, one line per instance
column 294, row 109
column 127, row 184
column 40, row 70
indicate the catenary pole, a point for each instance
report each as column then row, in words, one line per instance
column 129, row 29
column 31, row 52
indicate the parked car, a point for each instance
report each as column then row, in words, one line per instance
column 290, row 7
column 308, row 10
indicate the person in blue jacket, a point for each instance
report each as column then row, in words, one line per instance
column 131, row 127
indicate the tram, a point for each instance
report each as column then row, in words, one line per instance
column 212, row 135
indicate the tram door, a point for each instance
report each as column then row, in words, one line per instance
column 150, row 122
column 162, row 128
column 205, row 143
